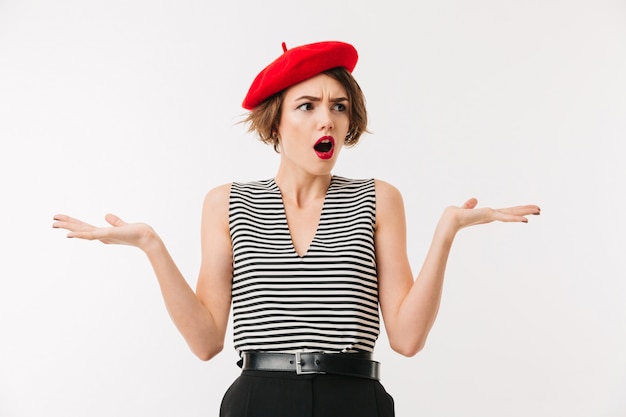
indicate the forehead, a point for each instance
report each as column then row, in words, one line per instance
column 319, row 86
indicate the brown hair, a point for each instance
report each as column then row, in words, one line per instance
column 265, row 118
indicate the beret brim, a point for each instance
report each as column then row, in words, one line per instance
column 296, row 65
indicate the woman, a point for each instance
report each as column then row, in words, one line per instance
column 305, row 258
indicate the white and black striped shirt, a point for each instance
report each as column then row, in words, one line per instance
column 325, row 300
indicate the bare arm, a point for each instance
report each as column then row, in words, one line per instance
column 201, row 316
column 409, row 306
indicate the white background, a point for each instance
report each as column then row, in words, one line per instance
column 132, row 107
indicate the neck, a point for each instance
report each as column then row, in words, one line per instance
column 302, row 189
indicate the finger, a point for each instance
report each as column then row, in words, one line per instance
column 60, row 217
column 113, row 220
column 470, row 204
column 63, row 219
column 95, row 233
column 509, row 218
column 59, row 220
column 87, row 235
column 522, row 210
column 515, row 216
column 70, row 223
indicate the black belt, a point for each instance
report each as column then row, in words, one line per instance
column 352, row 364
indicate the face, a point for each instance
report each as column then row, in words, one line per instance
column 313, row 125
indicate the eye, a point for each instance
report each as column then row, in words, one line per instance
column 305, row 106
column 340, row 107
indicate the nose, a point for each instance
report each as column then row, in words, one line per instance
column 325, row 120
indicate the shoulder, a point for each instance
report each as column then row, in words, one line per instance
column 222, row 193
column 353, row 185
column 389, row 203
column 253, row 187
column 216, row 199
column 386, row 192
column 218, row 194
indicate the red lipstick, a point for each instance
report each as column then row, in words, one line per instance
column 324, row 147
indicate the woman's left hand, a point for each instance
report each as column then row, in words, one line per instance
column 468, row 215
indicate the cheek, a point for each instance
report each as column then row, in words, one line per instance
column 288, row 129
column 292, row 148
column 291, row 136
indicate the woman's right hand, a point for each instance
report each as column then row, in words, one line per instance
column 122, row 233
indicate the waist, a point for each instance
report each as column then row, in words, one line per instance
column 351, row 364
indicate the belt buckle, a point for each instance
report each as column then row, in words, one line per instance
column 299, row 364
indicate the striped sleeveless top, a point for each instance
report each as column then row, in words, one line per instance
column 325, row 300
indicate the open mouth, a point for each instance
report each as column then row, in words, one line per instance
column 324, row 147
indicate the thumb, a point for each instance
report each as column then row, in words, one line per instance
column 470, row 204
column 113, row 220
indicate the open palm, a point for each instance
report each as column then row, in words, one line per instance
column 468, row 215
column 120, row 232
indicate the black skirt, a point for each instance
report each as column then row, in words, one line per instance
column 285, row 394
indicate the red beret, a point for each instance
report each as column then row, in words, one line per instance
column 296, row 65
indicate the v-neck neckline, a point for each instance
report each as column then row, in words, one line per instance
column 286, row 222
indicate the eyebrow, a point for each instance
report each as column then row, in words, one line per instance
column 311, row 98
